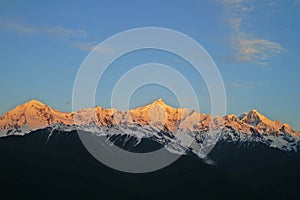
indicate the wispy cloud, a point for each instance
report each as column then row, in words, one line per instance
column 89, row 46
column 248, row 47
column 85, row 46
column 244, row 85
column 57, row 31
column 257, row 50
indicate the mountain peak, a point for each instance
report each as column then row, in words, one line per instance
column 34, row 102
column 254, row 111
column 35, row 114
column 255, row 118
column 159, row 101
column 256, row 114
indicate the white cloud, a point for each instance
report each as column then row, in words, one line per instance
column 242, row 85
column 20, row 28
column 89, row 46
column 85, row 46
column 245, row 85
column 248, row 47
column 60, row 31
column 257, row 50
column 52, row 31
column 57, row 31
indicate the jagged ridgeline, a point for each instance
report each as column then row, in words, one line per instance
column 156, row 121
column 43, row 157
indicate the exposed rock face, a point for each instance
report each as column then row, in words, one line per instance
column 35, row 115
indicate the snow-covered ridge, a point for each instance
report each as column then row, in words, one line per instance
column 156, row 120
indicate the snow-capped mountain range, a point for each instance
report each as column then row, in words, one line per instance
column 178, row 129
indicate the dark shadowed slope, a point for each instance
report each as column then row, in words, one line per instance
column 63, row 169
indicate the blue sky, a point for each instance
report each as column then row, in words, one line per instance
column 255, row 45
